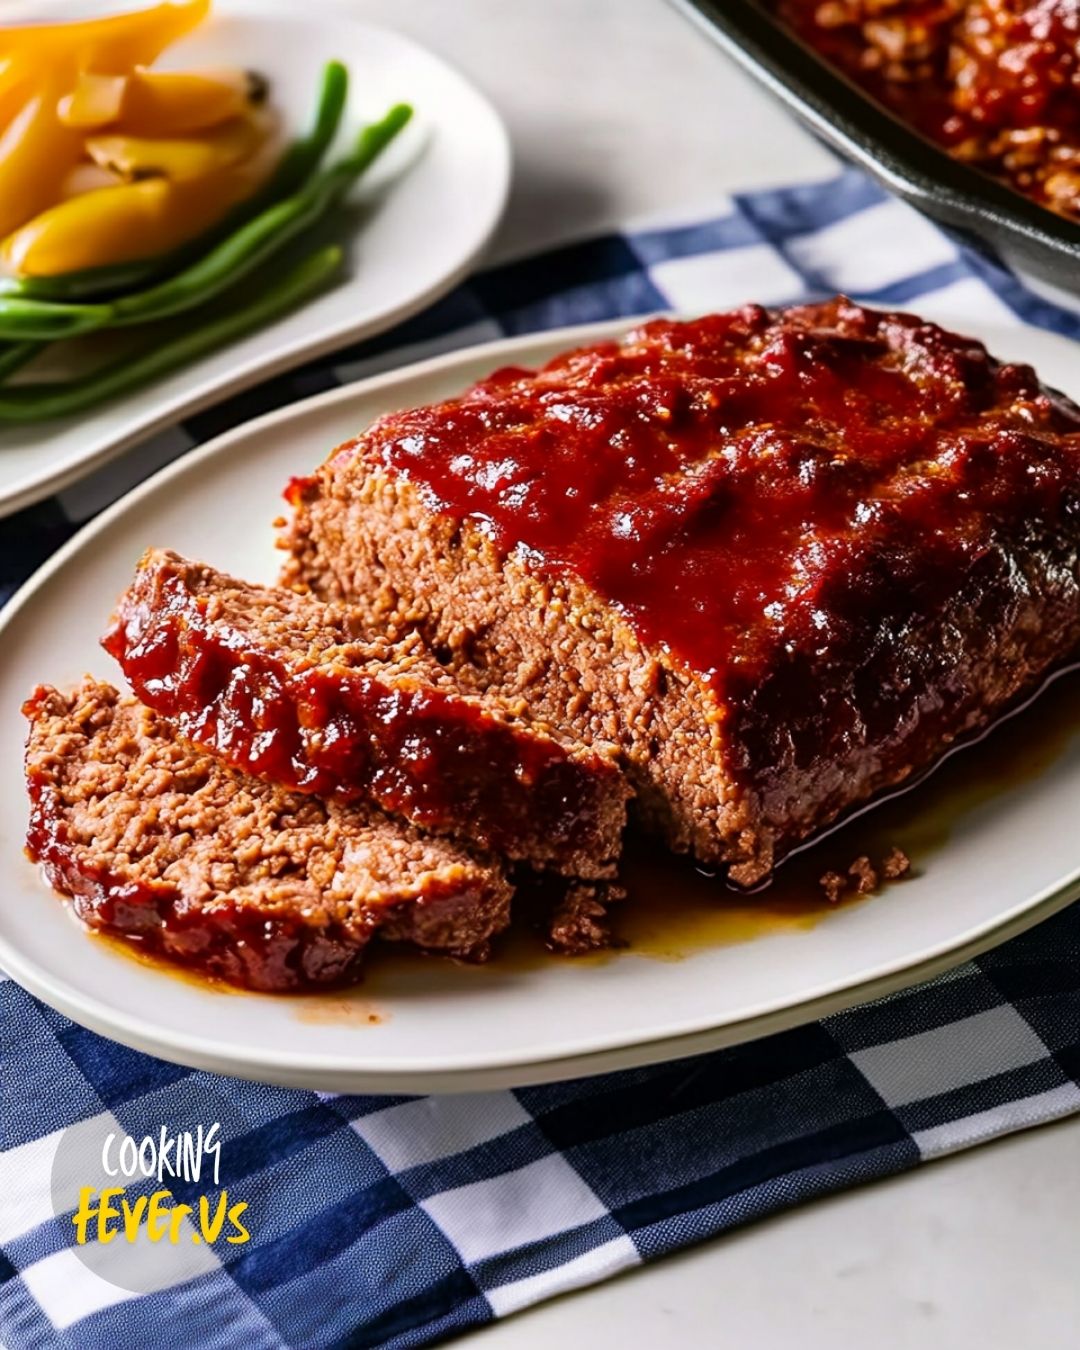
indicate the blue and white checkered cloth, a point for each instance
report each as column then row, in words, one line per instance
column 396, row 1222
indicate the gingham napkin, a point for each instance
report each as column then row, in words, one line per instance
column 396, row 1222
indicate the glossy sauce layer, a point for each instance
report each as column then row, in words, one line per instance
column 754, row 482
column 440, row 760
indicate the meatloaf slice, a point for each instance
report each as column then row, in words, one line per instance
column 266, row 888
column 783, row 558
column 287, row 688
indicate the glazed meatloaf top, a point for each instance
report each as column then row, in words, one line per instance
column 264, row 887
column 753, row 481
column 292, row 690
column 785, row 558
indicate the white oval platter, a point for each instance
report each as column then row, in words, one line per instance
column 1010, row 860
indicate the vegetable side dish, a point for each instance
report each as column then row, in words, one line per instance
column 130, row 194
column 765, row 565
column 996, row 82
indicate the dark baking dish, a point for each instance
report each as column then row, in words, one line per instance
column 1026, row 236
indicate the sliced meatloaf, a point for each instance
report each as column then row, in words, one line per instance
column 264, row 887
column 287, row 688
column 782, row 558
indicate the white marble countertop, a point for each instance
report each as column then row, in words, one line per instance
column 620, row 110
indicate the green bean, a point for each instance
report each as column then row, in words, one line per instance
column 14, row 356
column 371, row 142
column 46, row 321
column 41, row 401
column 256, row 241
column 300, row 160
column 303, row 157
column 89, row 284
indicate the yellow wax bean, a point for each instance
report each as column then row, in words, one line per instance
column 142, row 219
column 115, row 44
column 158, row 102
column 36, row 155
column 180, row 159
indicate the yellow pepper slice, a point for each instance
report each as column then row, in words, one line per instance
column 36, row 154
column 93, row 229
column 116, row 43
column 13, row 99
column 182, row 159
column 36, row 151
column 12, row 72
column 136, row 220
column 87, row 178
column 95, row 101
column 159, row 102
column 17, row 86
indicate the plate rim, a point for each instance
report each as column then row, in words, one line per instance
column 37, row 486
column 437, row 1075
column 500, row 1069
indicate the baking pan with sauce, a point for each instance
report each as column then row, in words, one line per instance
column 1028, row 237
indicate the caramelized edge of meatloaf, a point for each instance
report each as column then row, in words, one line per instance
column 260, row 886
column 290, row 689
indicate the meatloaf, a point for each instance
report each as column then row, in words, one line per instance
column 289, row 689
column 783, row 558
column 264, row 887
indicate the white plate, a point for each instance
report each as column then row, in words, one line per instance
column 1011, row 858
column 433, row 202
